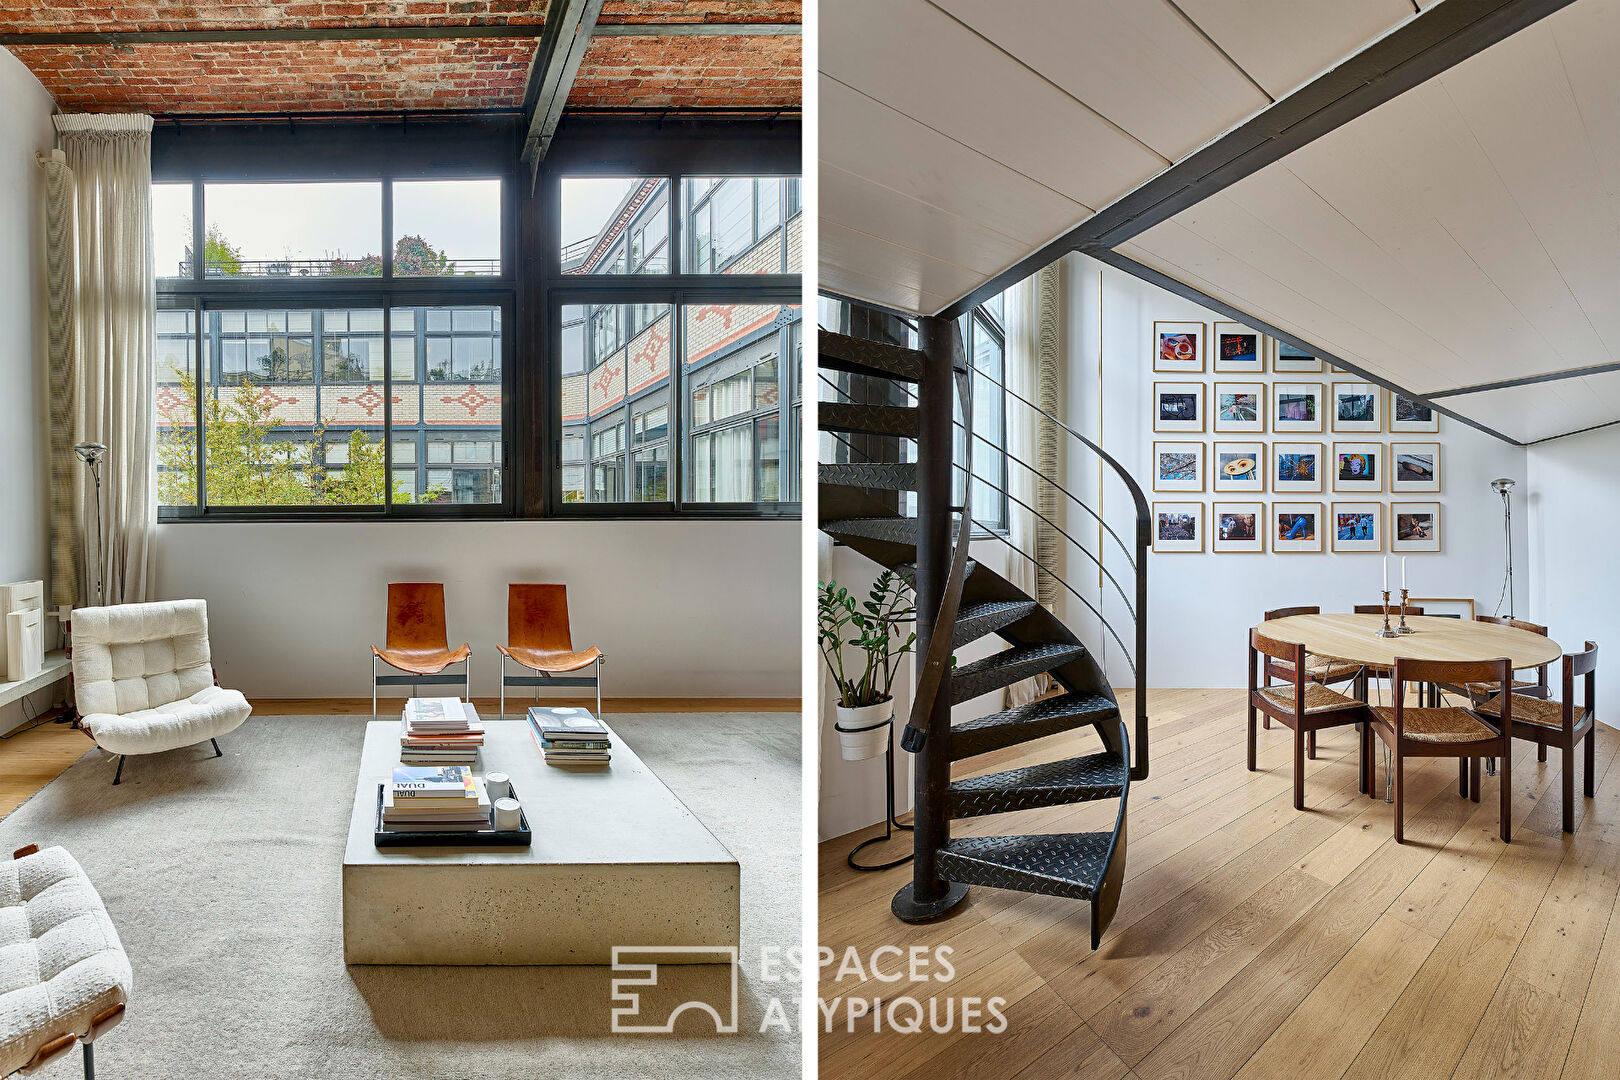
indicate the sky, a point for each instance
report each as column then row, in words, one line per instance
column 320, row 220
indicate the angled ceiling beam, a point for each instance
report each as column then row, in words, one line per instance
column 1527, row 380
column 569, row 25
column 1424, row 46
column 383, row 33
column 1203, row 299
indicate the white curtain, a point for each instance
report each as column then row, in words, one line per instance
column 1020, row 359
column 113, row 299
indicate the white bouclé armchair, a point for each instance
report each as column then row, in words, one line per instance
column 144, row 679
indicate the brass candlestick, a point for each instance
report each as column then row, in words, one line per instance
column 1403, row 628
column 1387, row 631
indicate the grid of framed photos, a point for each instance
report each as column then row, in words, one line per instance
column 1338, row 444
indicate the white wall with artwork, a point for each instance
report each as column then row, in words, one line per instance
column 1280, row 481
column 25, row 129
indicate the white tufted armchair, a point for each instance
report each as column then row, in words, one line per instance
column 144, row 680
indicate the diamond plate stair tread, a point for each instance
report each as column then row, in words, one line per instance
column 1024, row 723
column 884, row 476
column 891, row 530
column 1060, row 864
column 1051, row 783
column 860, row 356
column 908, row 570
column 1009, row 666
column 896, row 420
column 974, row 621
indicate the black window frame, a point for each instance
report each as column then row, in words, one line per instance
column 529, row 291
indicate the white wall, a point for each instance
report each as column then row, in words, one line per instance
column 1573, row 578
column 1201, row 605
column 25, row 129
column 680, row 608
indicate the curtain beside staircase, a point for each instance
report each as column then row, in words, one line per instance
column 106, row 321
column 1033, row 371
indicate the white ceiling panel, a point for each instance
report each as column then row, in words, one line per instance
column 859, row 204
column 1545, row 410
column 889, row 148
column 1139, row 63
column 970, row 91
column 911, row 271
column 1284, row 43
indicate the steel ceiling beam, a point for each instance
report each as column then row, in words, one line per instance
column 383, row 33
column 569, row 25
column 1425, row 45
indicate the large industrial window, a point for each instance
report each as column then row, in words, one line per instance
column 331, row 345
column 676, row 396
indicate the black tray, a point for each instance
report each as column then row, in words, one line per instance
column 491, row 837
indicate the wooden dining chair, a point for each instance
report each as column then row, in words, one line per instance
column 1479, row 693
column 1302, row 704
column 1317, row 668
column 1560, row 723
column 417, row 642
column 538, row 640
column 1419, row 731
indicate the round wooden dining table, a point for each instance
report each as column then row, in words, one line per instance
column 1354, row 639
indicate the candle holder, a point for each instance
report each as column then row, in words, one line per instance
column 1387, row 631
column 1403, row 628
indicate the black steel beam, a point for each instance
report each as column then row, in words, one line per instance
column 382, row 33
column 1528, row 380
column 1203, row 299
column 569, row 24
column 1424, row 46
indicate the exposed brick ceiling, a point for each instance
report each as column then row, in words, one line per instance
column 399, row 74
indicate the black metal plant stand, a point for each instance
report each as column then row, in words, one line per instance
column 889, row 823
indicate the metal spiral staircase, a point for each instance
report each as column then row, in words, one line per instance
column 861, row 503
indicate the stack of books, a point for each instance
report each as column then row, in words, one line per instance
column 570, row 736
column 435, row 799
column 439, row 731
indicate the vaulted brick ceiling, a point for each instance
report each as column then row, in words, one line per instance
column 651, row 71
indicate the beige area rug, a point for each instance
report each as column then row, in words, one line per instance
column 223, row 877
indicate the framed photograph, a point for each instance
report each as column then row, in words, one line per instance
column 1238, row 466
column 1178, row 348
column 1357, row 406
column 1358, row 467
column 1178, row 526
column 1237, row 527
column 1415, row 467
column 1297, row 467
column 1296, row 407
column 1178, row 466
column 1290, row 359
column 1238, row 350
column 1296, row 526
column 1358, row 526
column 1411, row 415
column 1240, row 407
column 1178, row 407
column 1415, row 526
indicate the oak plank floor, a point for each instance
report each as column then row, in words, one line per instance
column 1256, row 941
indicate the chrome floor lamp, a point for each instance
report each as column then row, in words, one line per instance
column 91, row 454
column 1503, row 486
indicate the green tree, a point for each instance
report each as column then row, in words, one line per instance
column 220, row 256
column 246, row 467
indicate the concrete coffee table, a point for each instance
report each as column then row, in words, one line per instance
column 617, row 860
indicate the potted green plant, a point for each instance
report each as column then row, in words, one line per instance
column 875, row 629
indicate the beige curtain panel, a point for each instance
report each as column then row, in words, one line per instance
column 110, row 157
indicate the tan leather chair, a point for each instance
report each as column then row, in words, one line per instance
column 537, row 639
column 417, row 642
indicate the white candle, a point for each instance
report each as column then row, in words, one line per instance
column 1403, row 573
column 1385, row 562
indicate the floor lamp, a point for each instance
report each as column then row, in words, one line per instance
column 1504, row 487
column 91, row 454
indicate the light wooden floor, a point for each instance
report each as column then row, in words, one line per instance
column 1256, row 941
column 32, row 759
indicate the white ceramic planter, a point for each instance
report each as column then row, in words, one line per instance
column 864, row 732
